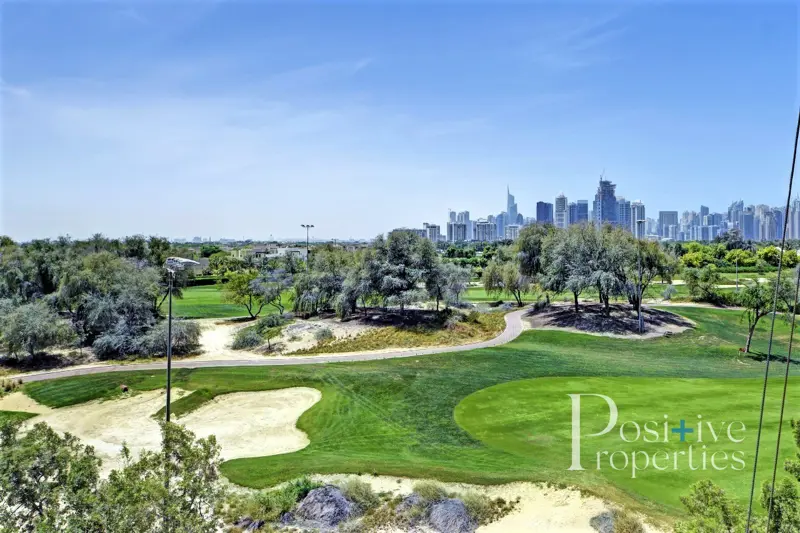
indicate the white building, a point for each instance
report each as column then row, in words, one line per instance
column 561, row 212
column 485, row 231
column 512, row 232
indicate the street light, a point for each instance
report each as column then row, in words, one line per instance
column 172, row 265
column 308, row 228
column 639, row 235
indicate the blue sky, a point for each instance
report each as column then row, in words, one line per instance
column 234, row 119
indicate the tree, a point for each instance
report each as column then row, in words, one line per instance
column 772, row 256
column 702, row 283
column 566, row 260
column 609, row 257
column 654, row 263
column 506, row 278
column 742, row 258
column 207, row 250
column 241, row 290
column 710, row 510
column 136, row 498
column 456, row 281
column 33, row 327
column 48, row 483
column 529, row 248
column 757, row 299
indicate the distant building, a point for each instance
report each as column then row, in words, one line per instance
column 623, row 213
column 665, row 220
column 456, row 232
column 572, row 209
column 432, row 232
column 583, row 212
column 605, row 203
column 485, row 231
column 747, row 223
column 544, row 213
column 452, row 216
column 703, row 213
column 638, row 213
column 561, row 211
column 511, row 207
column 512, row 232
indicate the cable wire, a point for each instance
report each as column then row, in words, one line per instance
column 772, row 332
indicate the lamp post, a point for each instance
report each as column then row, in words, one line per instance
column 172, row 265
column 308, row 228
column 639, row 261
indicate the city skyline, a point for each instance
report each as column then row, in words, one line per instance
column 158, row 119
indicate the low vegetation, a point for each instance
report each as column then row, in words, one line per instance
column 450, row 328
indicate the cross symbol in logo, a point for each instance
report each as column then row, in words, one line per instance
column 683, row 430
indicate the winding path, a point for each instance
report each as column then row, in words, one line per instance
column 514, row 326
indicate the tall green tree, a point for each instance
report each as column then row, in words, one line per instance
column 757, row 300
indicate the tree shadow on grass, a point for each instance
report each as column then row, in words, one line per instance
column 621, row 319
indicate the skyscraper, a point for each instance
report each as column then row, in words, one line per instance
column 638, row 213
column 623, row 213
column 544, row 213
column 511, row 207
column 703, row 213
column 605, row 203
column 561, row 211
column 583, row 212
column 501, row 221
column 573, row 213
column 665, row 220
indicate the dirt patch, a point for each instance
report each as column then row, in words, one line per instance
column 541, row 508
column 621, row 321
column 301, row 334
column 247, row 424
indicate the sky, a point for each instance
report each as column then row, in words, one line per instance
column 247, row 119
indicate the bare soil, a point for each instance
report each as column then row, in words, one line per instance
column 621, row 321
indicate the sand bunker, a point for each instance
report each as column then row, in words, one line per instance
column 542, row 509
column 17, row 401
column 254, row 424
column 247, row 424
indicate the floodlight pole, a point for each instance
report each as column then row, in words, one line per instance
column 308, row 253
column 639, row 261
column 171, row 275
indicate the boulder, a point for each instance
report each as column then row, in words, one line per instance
column 326, row 505
column 451, row 516
column 603, row 523
column 408, row 502
column 287, row 518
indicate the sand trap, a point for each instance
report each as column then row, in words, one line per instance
column 541, row 509
column 254, row 424
column 247, row 424
column 17, row 401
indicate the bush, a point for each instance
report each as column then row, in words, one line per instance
column 479, row 507
column 185, row 338
column 269, row 321
column 247, row 338
column 625, row 523
column 669, row 292
column 324, row 334
column 8, row 385
column 430, row 491
column 361, row 493
column 453, row 321
column 473, row 317
column 271, row 504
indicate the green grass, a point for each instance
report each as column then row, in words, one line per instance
column 510, row 417
column 205, row 301
column 396, row 417
column 14, row 416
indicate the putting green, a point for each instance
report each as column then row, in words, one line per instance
column 533, row 419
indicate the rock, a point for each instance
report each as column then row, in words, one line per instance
column 408, row 502
column 451, row 516
column 326, row 505
column 123, row 388
column 603, row 523
column 287, row 518
column 255, row 525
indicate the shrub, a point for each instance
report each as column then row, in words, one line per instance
column 473, row 317
column 669, row 292
column 271, row 504
column 361, row 493
column 625, row 523
column 9, row 385
column 246, row 338
column 430, row 491
column 324, row 334
column 185, row 338
column 269, row 321
column 479, row 507
column 453, row 321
